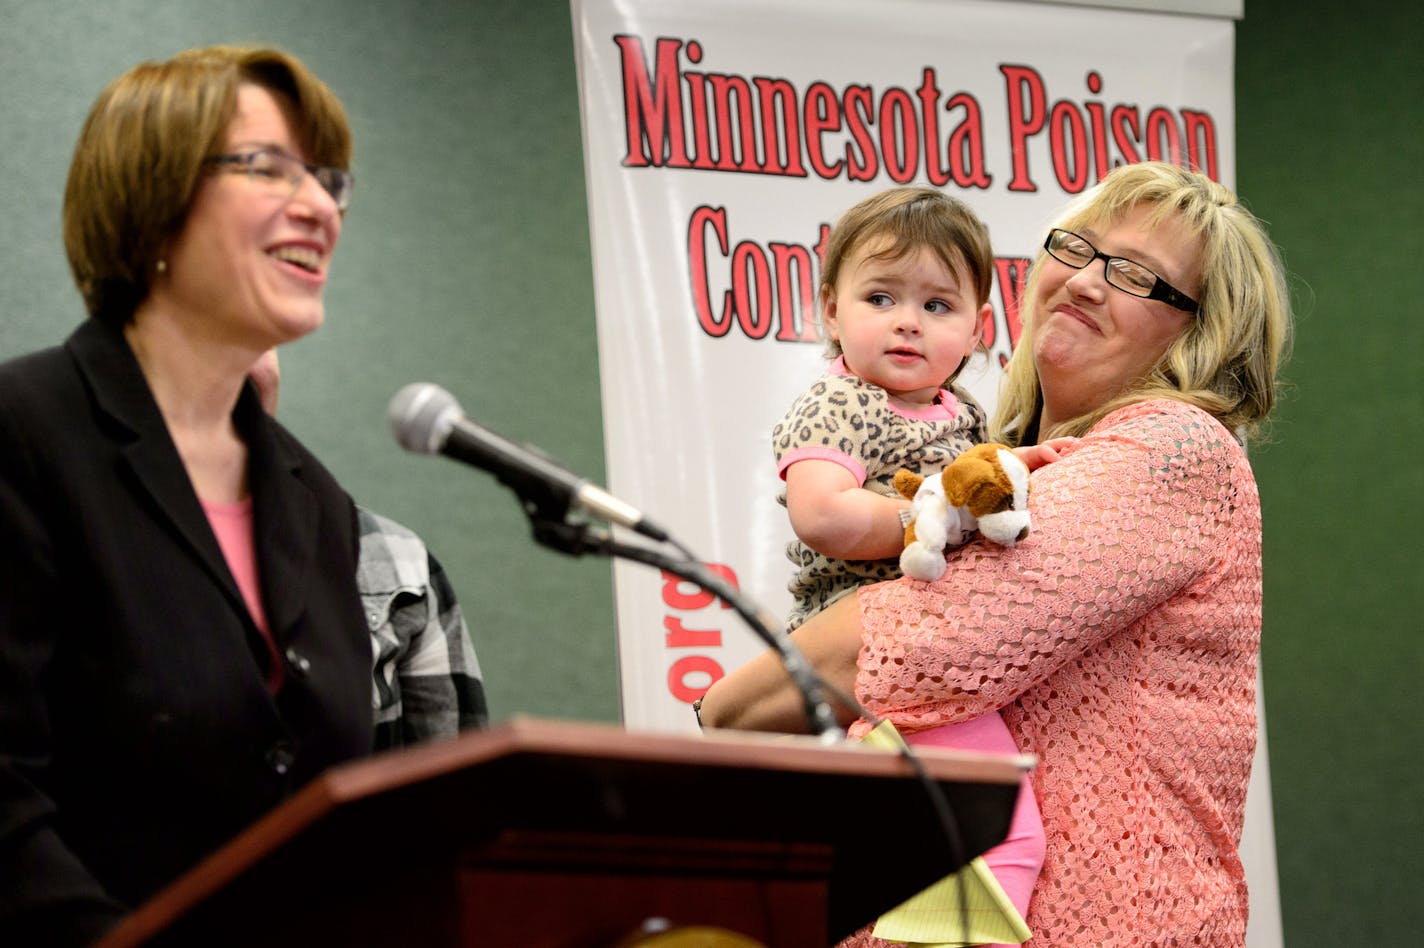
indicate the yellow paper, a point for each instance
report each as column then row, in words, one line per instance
column 972, row 896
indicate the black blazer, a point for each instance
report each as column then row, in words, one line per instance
column 136, row 730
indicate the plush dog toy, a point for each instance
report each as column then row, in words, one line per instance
column 985, row 488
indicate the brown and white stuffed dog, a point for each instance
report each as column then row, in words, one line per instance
column 985, row 488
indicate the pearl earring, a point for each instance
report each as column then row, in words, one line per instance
column 162, row 266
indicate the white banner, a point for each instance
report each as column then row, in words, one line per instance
column 721, row 142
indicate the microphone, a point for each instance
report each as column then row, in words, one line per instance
column 426, row 419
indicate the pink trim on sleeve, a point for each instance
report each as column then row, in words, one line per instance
column 822, row 454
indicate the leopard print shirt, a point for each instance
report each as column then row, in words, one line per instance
column 851, row 422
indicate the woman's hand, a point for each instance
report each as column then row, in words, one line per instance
column 1036, row 456
column 759, row 696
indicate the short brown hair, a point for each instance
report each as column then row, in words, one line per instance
column 912, row 218
column 137, row 162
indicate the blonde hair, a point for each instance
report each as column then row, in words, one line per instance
column 912, row 218
column 1226, row 359
column 141, row 151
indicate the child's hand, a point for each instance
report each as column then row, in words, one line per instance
column 1036, row 456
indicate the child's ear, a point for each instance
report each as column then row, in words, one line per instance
column 982, row 325
column 828, row 314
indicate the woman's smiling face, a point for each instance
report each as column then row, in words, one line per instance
column 1091, row 340
column 251, row 260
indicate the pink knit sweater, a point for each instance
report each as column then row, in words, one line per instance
column 1120, row 640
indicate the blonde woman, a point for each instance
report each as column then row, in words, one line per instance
column 1120, row 640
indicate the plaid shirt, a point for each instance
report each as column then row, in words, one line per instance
column 427, row 679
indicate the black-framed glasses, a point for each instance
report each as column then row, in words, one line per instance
column 1124, row 274
column 270, row 167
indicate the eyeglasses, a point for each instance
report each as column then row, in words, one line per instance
column 278, row 169
column 1122, row 273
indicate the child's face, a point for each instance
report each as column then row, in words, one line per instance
column 905, row 324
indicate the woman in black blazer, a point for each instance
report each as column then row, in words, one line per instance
column 181, row 639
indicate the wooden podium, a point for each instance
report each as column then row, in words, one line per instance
column 542, row 833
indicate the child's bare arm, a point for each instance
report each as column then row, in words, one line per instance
column 836, row 517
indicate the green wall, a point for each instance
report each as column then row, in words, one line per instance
column 465, row 261
column 1329, row 150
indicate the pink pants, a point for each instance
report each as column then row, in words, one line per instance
column 1016, row 861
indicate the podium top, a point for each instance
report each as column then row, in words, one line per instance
column 456, row 800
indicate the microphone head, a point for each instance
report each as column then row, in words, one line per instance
column 422, row 415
